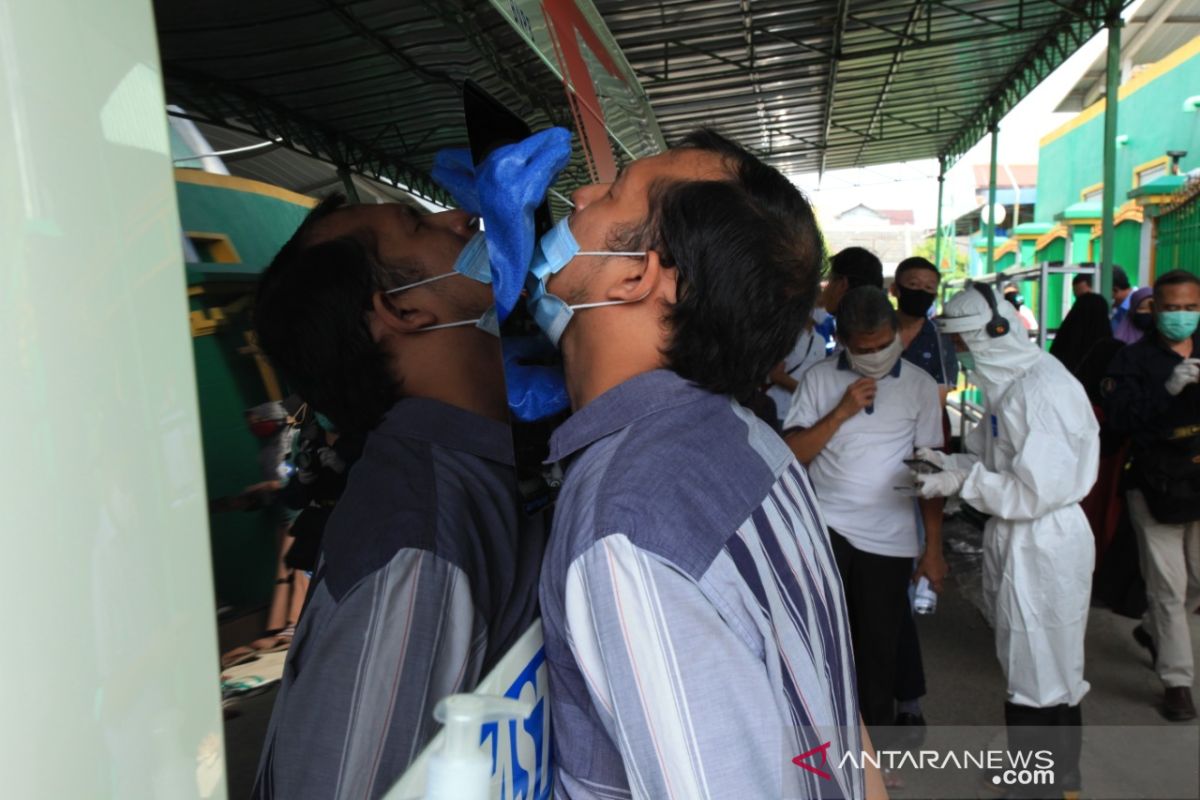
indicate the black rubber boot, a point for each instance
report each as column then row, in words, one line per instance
column 1031, row 730
column 1066, row 762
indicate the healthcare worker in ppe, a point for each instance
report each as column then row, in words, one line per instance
column 1028, row 463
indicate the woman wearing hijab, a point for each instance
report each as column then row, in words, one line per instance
column 1133, row 326
column 1085, row 331
column 1085, row 343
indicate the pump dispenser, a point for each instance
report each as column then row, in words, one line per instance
column 460, row 770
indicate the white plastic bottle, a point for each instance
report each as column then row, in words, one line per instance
column 461, row 770
column 925, row 598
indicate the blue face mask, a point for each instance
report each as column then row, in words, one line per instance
column 472, row 262
column 554, row 251
column 1175, row 326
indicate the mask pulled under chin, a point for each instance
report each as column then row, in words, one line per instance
column 878, row 364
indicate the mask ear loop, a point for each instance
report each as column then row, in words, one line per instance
column 408, row 286
column 611, row 302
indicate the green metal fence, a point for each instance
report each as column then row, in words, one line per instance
column 1179, row 233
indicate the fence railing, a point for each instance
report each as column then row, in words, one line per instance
column 1178, row 245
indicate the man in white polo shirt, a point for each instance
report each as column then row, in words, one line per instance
column 853, row 421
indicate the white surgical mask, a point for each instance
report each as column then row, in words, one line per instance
column 554, row 251
column 878, row 364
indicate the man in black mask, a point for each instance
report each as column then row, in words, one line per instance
column 915, row 290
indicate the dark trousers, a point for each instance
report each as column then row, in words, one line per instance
column 910, row 668
column 1058, row 729
column 877, row 600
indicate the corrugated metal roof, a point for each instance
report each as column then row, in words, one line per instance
column 815, row 85
column 374, row 85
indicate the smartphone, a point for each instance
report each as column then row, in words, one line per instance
column 921, row 466
column 490, row 125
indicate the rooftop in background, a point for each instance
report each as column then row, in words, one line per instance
column 1024, row 174
column 1159, row 28
column 887, row 216
column 816, row 85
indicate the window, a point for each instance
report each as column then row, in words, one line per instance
column 1144, row 173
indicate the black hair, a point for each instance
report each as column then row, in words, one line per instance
column 1082, row 279
column 916, row 262
column 1119, row 279
column 310, row 316
column 1173, row 278
column 749, row 257
column 864, row 310
column 859, row 266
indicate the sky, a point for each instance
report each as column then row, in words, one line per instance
column 913, row 184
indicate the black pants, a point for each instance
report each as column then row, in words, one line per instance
column 910, row 668
column 877, row 600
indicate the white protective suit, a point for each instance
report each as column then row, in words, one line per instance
column 1029, row 462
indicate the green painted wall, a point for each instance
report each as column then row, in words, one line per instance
column 1054, row 251
column 228, row 382
column 256, row 224
column 1127, row 244
column 1150, row 117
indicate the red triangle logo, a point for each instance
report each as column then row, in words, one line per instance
column 823, row 750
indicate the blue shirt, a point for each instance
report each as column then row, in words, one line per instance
column 696, row 630
column 934, row 353
column 1121, row 310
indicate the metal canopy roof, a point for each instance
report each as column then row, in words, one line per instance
column 822, row 84
column 373, row 86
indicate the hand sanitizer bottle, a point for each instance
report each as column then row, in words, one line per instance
column 461, row 770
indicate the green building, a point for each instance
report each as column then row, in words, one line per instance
column 1158, row 142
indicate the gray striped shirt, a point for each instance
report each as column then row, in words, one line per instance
column 427, row 577
column 695, row 625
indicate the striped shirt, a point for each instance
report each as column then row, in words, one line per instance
column 427, row 577
column 696, row 630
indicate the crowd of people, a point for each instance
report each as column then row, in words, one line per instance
column 717, row 586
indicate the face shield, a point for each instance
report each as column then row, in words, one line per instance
column 995, row 360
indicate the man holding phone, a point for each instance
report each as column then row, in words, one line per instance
column 854, row 421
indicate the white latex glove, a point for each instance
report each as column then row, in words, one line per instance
column 935, row 457
column 1185, row 372
column 938, row 484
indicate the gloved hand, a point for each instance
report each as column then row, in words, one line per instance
column 1185, row 372
column 505, row 190
column 935, row 457
column 535, row 391
column 938, row 484
column 956, row 461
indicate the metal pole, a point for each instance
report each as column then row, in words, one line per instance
column 991, row 210
column 1043, row 282
column 1111, row 101
column 348, row 185
column 937, row 238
